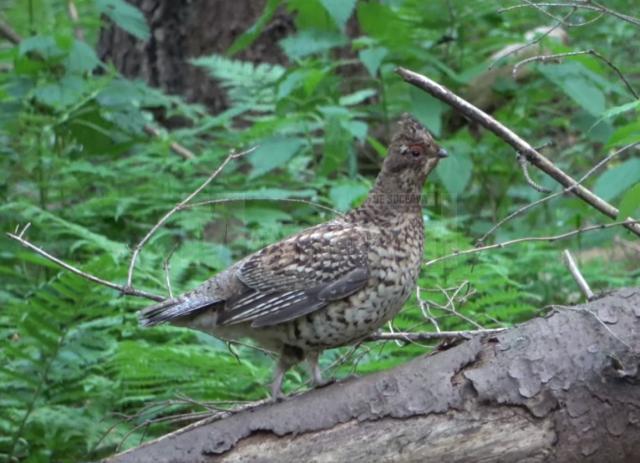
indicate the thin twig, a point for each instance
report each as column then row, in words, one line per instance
column 591, row 5
column 532, row 155
column 504, row 244
column 166, row 265
column 174, row 146
column 75, row 19
column 262, row 198
column 138, row 247
column 599, row 320
column 426, row 310
column 428, row 336
column 560, row 21
column 8, row 33
column 526, row 207
column 522, row 161
column 557, row 18
column 128, row 290
column 451, row 306
column 577, row 275
column 558, row 56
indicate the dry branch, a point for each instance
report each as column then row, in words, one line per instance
column 19, row 237
column 590, row 5
column 577, row 275
column 521, row 146
column 533, row 204
column 555, row 389
column 177, row 148
column 555, row 58
column 525, row 239
column 138, row 247
column 8, row 33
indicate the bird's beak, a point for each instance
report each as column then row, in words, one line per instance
column 442, row 153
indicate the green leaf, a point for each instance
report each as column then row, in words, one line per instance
column 625, row 135
column 126, row 16
column 575, row 82
column 630, row 204
column 308, row 42
column 339, row 10
column 251, row 34
column 62, row 93
column 383, row 23
column 357, row 97
column 372, row 58
column 272, row 153
column 345, row 193
column 81, row 58
column 356, row 128
column 337, row 146
column 617, row 180
column 427, row 109
column 43, row 45
column 455, row 171
column 617, row 110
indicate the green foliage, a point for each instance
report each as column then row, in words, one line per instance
column 79, row 378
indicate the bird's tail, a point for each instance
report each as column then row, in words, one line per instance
column 172, row 309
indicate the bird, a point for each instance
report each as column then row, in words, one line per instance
column 327, row 286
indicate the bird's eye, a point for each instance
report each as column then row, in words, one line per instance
column 416, row 151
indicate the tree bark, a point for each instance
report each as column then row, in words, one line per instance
column 562, row 388
column 184, row 29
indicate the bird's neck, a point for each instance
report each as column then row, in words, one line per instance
column 393, row 197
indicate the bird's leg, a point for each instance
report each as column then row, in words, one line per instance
column 278, row 376
column 314, row 369
column 289, row 356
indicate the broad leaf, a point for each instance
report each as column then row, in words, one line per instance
column 372, row 58
column 339, row 10
column 272, row 153
column 126, row 16
column 455, row 171
column 427, row 109
column 618, row 179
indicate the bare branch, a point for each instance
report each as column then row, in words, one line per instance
column 428, row 336
column 577, row 275
column 522, row 160
column 532, row 155
column 128, row 290
column 138, row 247
column 591, row 5
column 556, row 194
column 75, row 19
column 8, row 33
column 560, row 22
column 175, row 147
column 166, row 265
column 556, row 58
column 263, row 198
column 625, row 223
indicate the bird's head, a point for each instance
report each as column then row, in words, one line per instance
column 413, row 152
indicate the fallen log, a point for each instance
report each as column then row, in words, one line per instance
column 561, row 388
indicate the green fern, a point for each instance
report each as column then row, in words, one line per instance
column 248, row 84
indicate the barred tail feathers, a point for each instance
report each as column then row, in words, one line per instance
column 173, row 309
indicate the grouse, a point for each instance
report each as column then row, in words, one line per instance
column 329, row 285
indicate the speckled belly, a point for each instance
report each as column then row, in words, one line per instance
column 350, row 320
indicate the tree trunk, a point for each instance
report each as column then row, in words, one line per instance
column 184, row 29
column 562, row 388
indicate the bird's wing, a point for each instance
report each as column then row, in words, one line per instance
column 299, row 275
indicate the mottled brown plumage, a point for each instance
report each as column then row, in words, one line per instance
column 329, row 285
